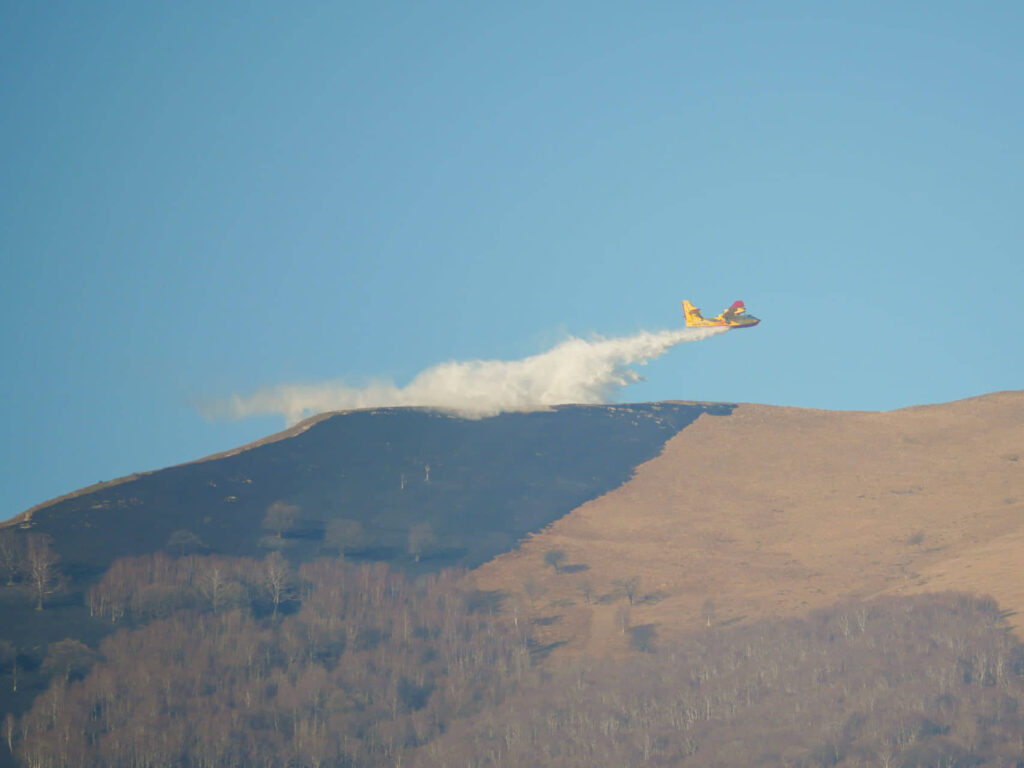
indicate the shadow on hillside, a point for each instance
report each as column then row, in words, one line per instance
column 419, row 489
column 575, row 568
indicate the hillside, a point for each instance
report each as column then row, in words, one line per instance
column 652, row 533
column 417, row 489
column 479, row 485
column 776, row 511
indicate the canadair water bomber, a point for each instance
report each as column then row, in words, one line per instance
column 734, row 317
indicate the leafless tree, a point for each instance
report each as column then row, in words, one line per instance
column 216, row 584
column 41, row 567
column 376, row 669
column 184, row 542
column 8, row 732
column 554, row 558
column 277, row 579
column 708, row 611
column 68, row 657
column 534, row 591
column 622, row 618
column 279, row 517
column 12, row 555
column 345, row 535
column 586, row 588
column 421, row 538
column 629, row 586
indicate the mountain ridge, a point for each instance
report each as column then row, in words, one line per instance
column 778, row 510
column 292, row 431
column 386, row 468
column 599, row 531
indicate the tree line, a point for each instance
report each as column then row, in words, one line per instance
column 223, row 661
column 930, row 680
column 30, row 561
column 362, row 667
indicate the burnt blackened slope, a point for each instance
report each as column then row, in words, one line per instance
column 469, row 488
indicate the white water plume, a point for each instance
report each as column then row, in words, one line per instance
column 574, row 371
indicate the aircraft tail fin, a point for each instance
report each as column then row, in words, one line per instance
column 693, row 315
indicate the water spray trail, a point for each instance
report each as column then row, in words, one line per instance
column 574, row 371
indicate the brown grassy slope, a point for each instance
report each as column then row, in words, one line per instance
column 775, row 511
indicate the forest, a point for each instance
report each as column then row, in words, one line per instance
column 221, row 661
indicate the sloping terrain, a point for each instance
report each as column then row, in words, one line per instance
column 644, row 525
column 417, row 489
column 479, row 485
column 775, row 511
column 98, row 488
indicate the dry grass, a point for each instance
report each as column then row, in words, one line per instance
column 775, row 511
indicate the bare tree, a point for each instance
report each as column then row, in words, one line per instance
column 629, row 586
column 41, row 567
column 8, row 732
column 279, row 517
column 421, row 538
column 586, row 588
column 12, row 555
column 885, row 755
column 554, row 558
column 217, row 584
column 184, row 542
column 68, row 657
column 345, row 535
column 533, row 591
column 277, row 579
column 622, row 619
column 708, row 610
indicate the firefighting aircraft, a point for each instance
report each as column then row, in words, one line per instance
column 734, row 317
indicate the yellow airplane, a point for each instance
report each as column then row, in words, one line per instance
column 734, row 317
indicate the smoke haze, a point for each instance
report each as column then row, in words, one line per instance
column 574, row 371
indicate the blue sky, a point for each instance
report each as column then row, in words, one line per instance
column 201, row 199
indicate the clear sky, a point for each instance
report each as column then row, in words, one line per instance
column 201, row 199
